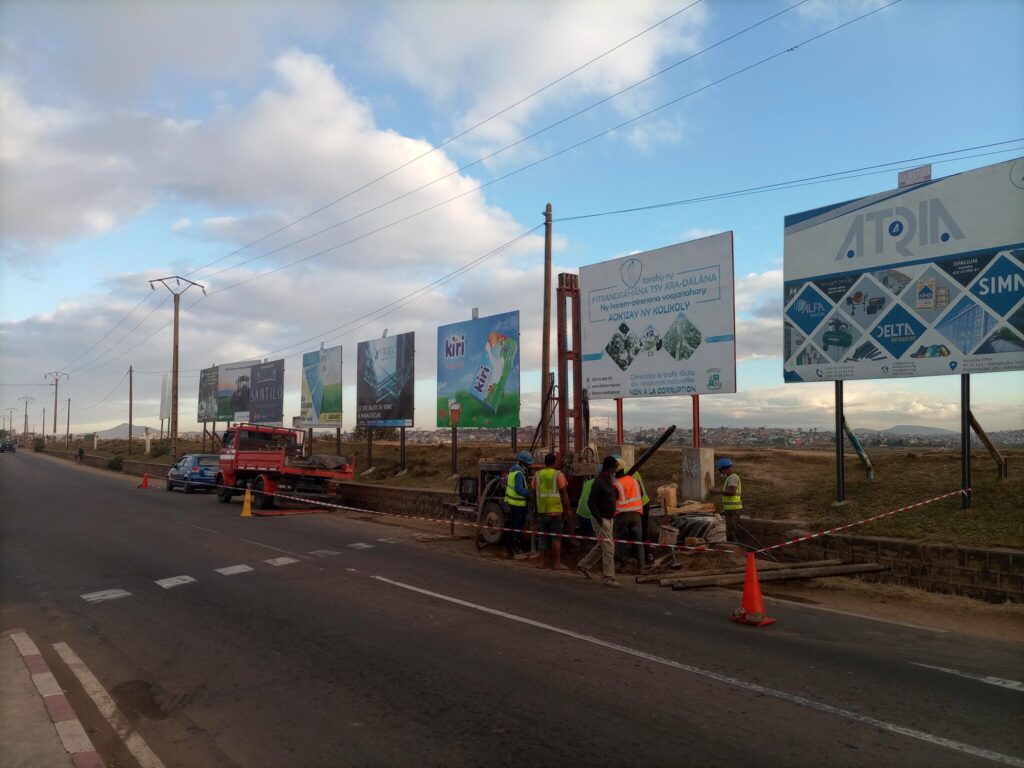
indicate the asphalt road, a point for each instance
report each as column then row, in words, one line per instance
column 401, row 652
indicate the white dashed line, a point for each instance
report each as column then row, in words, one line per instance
column 353, row 570
column 390, row 541
column 323, row 552
column 174, row 581
column 281, row 561
column 360, row 545
column 197, row 527
column 1013, row 685
column 106, row 594
column 269, row 546
column 231, row 570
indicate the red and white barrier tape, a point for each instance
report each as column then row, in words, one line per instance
column 862, row 522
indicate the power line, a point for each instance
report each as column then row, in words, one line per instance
column 110, row 331
column 110, row 394
column 90, row 365
column 448, row 141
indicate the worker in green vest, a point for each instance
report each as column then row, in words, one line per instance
column 731, row 493
column 583, row 513
column 516, row 493
column 551, row 491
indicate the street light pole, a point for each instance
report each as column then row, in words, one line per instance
column 176, row 290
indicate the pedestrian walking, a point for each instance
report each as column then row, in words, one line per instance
column 602, row 501
column 81, row 454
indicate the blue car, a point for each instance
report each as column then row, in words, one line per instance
column 195, row 470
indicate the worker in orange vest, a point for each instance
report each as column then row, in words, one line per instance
column 628, row 511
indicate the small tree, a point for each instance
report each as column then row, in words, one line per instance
column 379, row 433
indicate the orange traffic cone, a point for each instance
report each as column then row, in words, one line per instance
column 145, row 480
column 752, row 608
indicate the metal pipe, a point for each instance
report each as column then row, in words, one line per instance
column 650, row 451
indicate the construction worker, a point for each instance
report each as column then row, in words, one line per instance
column 731, row 493
column 601, row 503
column 517, row 492
column 583, row 513
column 628, row 511
column 551, row 492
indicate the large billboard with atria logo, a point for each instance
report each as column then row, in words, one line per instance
column 919, row 281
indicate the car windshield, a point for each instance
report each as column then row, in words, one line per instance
column 208, row 461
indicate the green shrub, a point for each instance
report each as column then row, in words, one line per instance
column 39, row 445
column 115, row 464
column 159, row 448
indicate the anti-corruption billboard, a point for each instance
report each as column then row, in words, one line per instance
column 660, row 323
column 385, row 382
column 321, row 388
column 478, row 372
column 919, row 281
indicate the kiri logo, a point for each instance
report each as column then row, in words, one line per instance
column 930, row 224
column 455, row 346
column 480, row 384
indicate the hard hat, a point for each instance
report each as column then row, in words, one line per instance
column 526, row 457
column 619, row 463
column 723, row 464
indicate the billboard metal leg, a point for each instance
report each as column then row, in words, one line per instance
column 840, row 476
column 401, row 450
column 455, row 450
column 369, row 448
column 337, row 441
column 696, row 420
column 965, row 440
column 619, row 423
column 515, row 439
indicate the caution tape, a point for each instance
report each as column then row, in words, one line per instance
column 862, row 522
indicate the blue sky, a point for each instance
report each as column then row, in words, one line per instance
column 141, row 140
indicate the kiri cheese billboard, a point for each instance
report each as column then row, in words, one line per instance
column 660, row 323
column 920, row 281
column 478, row 372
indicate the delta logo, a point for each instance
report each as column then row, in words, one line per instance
column 897, row 331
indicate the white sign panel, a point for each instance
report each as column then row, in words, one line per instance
column 921, row 281
column 660, row 323
column 165, row 397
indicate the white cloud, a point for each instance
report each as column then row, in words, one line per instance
column 181, row 224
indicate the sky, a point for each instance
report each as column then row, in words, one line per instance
column 331, row 170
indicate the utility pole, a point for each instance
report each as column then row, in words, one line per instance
column 176, row 289
column 54, row 378
column 44, row 426
column 67, row 435
column 28, row 399
column 545, row 361
column 10, row 422
column 130, row 375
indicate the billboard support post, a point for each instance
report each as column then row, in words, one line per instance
column 455, row 451
column 337, row 441
column 369, row 448
column 401, row 449
column 840, row 468
column 965, row 440
column 619, row 425
column 696, row 420
column 204, row 437
column 515, row 439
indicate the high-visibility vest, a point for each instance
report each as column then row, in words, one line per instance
column 549, row 500
column 629, row 499
column 582, row 509
column 732, row 503
column 643, row 488
column 512, row 497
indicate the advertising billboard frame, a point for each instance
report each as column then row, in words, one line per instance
column 321, row 388
column 386, row 381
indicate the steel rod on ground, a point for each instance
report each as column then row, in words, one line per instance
column 667, row 579
column 787, row 574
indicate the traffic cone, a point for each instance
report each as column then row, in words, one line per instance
column 247, row 504
column 751, row 610
column 145, row 480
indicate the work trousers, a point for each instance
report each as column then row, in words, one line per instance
column 628, row 526
column 604, row 549
column 514, row 542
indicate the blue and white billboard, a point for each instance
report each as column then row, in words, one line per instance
column 478, row 372
column 385, row 381
column 919, row 281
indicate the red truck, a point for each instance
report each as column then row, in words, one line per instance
column 270, row 460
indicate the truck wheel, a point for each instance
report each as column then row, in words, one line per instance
column 489, row 523
column 224, row 493
column 261, row 500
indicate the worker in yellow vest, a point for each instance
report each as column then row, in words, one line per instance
column 551, row 492
column 628, row 510
column 732, row 496
column 517, row 491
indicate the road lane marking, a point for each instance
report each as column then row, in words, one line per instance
column 796, row 603
column 324, row 552
column 174, row 581
column 197, row 527
column 390, row 541
column 281, row 561
column 268, row 546
column 353, row 570
column 105, row 594
column 792, row 698
column 231, row 570
column 360, row 545
column 1013, row 685
column 105, row 704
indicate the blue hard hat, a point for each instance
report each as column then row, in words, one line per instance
column 525, row 457
column 723, row 464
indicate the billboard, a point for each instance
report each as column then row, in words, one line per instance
column 321, row 388
column 165, row 397
column 208, row 409
column 266, row 393
column 385, row 382
column 920, row 281
column 478, row 372
column 660, row 323
column 243, row 391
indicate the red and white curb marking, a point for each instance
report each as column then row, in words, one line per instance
column 69, row 728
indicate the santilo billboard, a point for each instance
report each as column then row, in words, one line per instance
column 919, row 281
column 245, row 391
column 660, row 323
column 478, row 372
column 321, row 388
column 385, row 382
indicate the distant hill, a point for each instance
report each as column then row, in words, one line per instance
column 911, row 429
column 120, row 432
